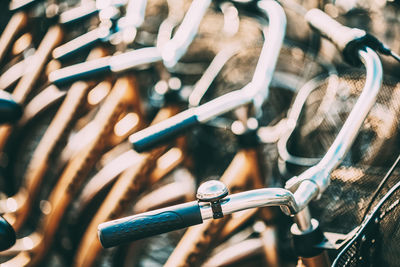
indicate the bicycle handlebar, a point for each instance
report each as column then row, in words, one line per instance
column 77, row 71
column 20, row 5
column 349, row 41
column 118, row 63
column 255, row 92
column 320, row 173
column 160, row 221
column 337, row 33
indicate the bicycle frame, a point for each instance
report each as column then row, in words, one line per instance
column 27, row 81
column 14, row 26
column 126, row 187
column 118, row 101
column 17, row 207
column 110, row 172
column 243, row 245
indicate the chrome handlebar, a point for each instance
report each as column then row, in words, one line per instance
column 255, row 92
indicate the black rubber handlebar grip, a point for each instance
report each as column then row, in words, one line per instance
column 164, row 131
column 117, row 232
column 339, row 34
column 7, row 235
column 80, row 71
column 10, row 111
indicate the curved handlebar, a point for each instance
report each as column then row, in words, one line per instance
column 255, row 92
column 320, row 173
column 175, row 48
column 147, row 224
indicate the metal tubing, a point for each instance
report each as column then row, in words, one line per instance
column 253, row 199
column 319, row 174
column 269, row 54
column 258, row 89
column 175, row 48
column 303, row 220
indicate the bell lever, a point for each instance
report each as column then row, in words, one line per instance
column 213, row 192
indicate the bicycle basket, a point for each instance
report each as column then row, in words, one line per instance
column 377, row 241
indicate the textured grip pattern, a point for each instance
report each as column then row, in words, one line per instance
column 148, row 224
column 163, row 131
column 141, row 227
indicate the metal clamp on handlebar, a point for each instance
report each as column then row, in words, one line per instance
column 349, row 41
column 350, row 52
column 213, row 191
